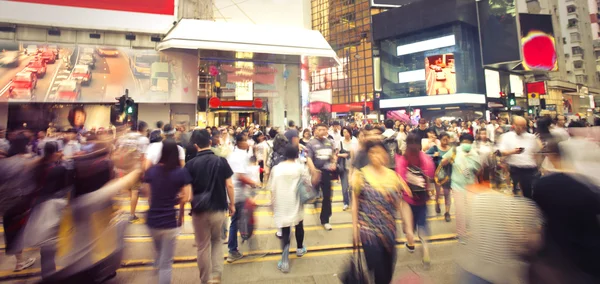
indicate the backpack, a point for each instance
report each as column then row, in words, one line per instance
column 419, row 191
column 247, row 221
column 277, row 152
column 391, row 146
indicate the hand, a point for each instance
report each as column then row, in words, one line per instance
column 436, row 154
column 231, row 209
column 518, row 151
column 332, row 167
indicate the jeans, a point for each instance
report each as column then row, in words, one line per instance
column 325, row 185
column 380, row 262
column 207, row 233
column 524, row 177
column 345, row 186
column 232, row 243
column 164, row 244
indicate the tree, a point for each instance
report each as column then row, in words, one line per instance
column 324, row 115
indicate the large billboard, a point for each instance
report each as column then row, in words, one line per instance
column 147, row 16
column 537, row 43
column 498, row 31
column 440, row 74
column 35, row 72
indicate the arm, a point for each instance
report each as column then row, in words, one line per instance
column 185, row 195
column 356, row 185
column 431, row 152
column 230, row 194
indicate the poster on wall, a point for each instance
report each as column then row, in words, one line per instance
column 146, row 16
column 36, row 72
column 538, row 44
column 440, row 74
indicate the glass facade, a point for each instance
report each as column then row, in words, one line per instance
column 346, row 25
column 449, row 69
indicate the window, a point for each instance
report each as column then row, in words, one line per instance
column 349, row 17
column 571, row 9
column 578, row 64
column 581, row 79
column 575, row 37
column 572, row 23
column 577, row 50
column 348, row 2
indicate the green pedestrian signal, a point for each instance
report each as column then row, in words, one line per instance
column 129, row 110
column 530, row 111
column 512, row 102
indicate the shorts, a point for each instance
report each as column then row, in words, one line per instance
column 419, row 215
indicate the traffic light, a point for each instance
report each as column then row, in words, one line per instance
column 530, row 110
column 512, row 101
column 217, row 89
column 125, row 104
column 129, row 106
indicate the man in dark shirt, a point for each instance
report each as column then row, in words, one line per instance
column 438, row 127
column 212, row 184
column 422, row 129
column 321, row 158
column 292, row 134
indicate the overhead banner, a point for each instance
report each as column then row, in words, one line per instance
column 537, row 43
column 38, row 72
column 144, row 16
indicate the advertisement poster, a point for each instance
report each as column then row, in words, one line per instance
column 440, row 74
column 34, row 72
column 537, row 43
column 162, row 7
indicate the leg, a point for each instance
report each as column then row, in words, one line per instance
column 285, row 237
column 526, row 183
column 515, row 177
column 380, row 262
column 232, row 244
column 420, row 216
column 133, row 199
column 300, row 234
column 47, row 254
column 167, row 251
column 448, row 199
column 216, row 255
column 284, row 264
column 202, row 237
column 326, row 188
column 345, row 187
column 438, row 193
column 156, row 241
column 407, row 221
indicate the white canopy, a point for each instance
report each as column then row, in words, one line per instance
column 209, row 35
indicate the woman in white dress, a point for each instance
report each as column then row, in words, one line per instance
column 288, row 212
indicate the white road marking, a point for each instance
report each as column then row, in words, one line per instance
column 62, row 77
column 53, row 79
column 5, row 89
column 54, row 88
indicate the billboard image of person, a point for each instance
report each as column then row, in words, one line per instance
column 537, row 43
column 440, row 74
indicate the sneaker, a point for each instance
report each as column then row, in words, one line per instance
column 134, row 219
column 410, row 249
column 327, row 227
column 301, row 252
column 345, row 207
column 283, row 267
column 426, row 262
column 447, row 217
column 25, row 264
column 279, row 234
column 234, row 256
column 437, row 209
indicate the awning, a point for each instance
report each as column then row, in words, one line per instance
column 209, row 35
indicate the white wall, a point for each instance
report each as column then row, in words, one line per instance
column 151, row 113
column 286, row 100
column 294, row 13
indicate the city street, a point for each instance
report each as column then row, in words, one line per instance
column 328, row 251
column 7, row 75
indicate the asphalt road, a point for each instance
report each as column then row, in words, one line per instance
column 7, row 74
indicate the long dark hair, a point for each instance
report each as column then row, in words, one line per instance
column 169, row 157
column 18, row 145
column 50, row 148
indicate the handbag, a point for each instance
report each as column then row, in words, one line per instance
column 341, row 162
column 443, row 173
column 355, row 273
column 306, row 192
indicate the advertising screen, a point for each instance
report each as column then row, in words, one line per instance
column 499, row 33
column 440, row 74
column 37, row 72
column 537, row 43
column 162, row 7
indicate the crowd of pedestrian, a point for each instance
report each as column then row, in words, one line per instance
column 526, row 201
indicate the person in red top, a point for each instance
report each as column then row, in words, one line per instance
column 416, row 168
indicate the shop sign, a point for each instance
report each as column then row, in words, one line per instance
column 551, row 107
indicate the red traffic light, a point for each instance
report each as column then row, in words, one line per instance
column 502, row 95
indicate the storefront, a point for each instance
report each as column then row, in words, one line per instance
column 241, row 65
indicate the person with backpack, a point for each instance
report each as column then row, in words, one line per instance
column 441, row 187
column 390, row 140
column 416, row 168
